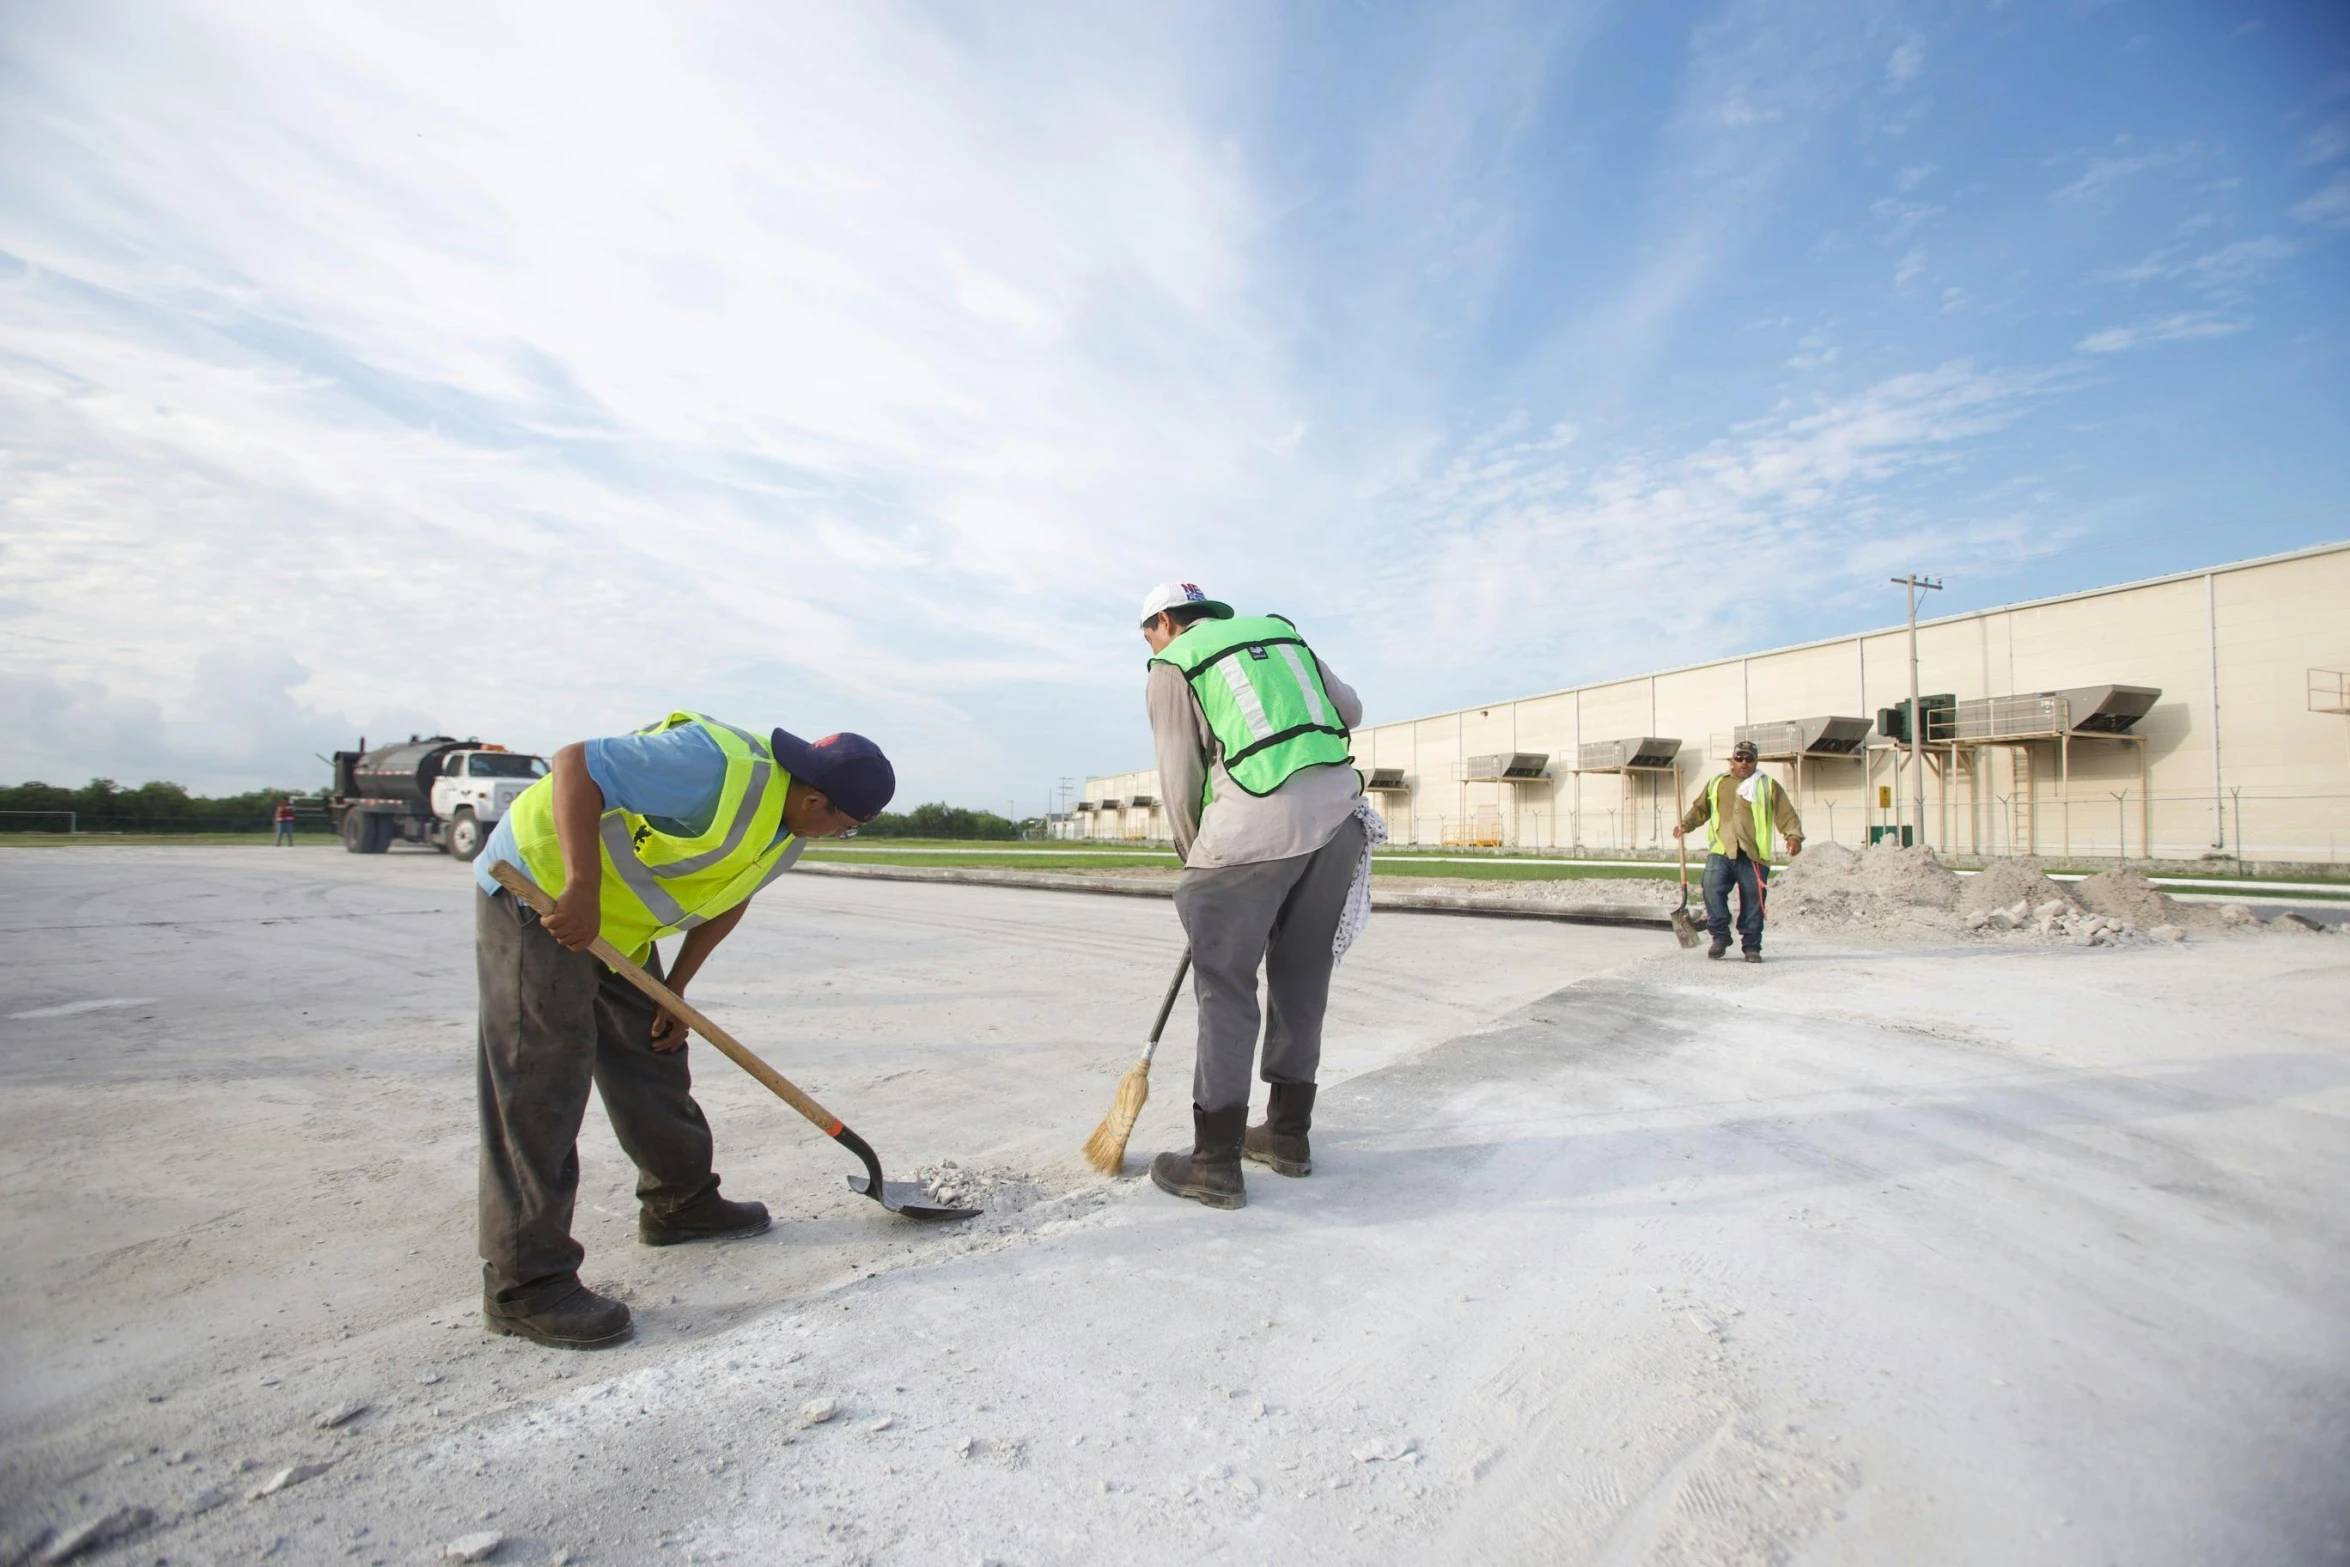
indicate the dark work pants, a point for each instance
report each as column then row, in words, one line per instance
column 1752, row 880
column 1281, row 914
column 553, row 1021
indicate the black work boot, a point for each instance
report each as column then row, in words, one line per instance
column 1754, row 954
column 1280, row 1141
column 707, row 1218
column 1210, row 1173
column 1717, row 949
column 581, row 1319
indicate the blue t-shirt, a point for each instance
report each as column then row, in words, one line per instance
column 672, row 779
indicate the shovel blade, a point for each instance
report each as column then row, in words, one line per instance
column 1684, row 928
column 910, row 1198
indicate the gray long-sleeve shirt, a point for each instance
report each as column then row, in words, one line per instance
column 1241, row 828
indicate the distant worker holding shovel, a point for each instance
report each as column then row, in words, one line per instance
column 1738, row 810
column 668, row 830
column 1250, row 728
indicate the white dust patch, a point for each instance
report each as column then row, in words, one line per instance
column 997, row 1190
column 75, row 1008
column 1561, row 892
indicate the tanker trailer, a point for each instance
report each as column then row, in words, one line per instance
column 434, row 790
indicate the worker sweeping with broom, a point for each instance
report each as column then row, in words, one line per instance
column 1250, row 729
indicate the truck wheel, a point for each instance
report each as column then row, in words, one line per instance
column 354, row 832
column 466, row 836
column 375, row 834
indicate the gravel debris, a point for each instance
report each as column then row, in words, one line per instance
column 292, row 1474
column 98, row 1533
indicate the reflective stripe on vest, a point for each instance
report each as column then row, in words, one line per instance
column 1260, row 688
column 1761, row 803
column 655, row 883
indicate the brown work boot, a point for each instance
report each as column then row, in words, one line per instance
column 1280, row 1140
column 709, row 1217
column 581, row 1319
column 1210, row 1173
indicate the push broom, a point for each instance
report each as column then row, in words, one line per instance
column 1105, row 1150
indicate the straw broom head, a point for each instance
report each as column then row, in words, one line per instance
column 1105, row 1150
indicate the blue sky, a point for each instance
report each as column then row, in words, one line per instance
column 860, row 366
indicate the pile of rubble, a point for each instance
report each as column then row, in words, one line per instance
column 1902, row 894
column 2057, row 920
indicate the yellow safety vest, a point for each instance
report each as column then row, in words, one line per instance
column 1762, row 814
column 655, row 884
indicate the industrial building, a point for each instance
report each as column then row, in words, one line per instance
column 2205, row 713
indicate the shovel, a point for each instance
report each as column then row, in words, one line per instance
column 1684, row 928
column 905, row 1197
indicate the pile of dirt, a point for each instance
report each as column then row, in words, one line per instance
column 1888, row 890
column 2003, row 884
column 2126, row 894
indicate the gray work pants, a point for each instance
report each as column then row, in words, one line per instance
column 1283, row 914
column 552, row 1022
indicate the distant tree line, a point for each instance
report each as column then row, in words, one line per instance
column 939, row 820
column 102, row 805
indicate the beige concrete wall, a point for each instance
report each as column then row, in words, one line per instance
column 1127, row 823
column 2282, row 770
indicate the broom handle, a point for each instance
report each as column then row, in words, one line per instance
column 618, row 962
column 1174, row 987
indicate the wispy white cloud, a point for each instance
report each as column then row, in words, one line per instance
column 1760, row 83
column 2102, row 176
column 2326, row 142
column 1527, row 551
column 2226, row 270
column 2187, row 326
column 1900, row 219
column 439, row 373
column 1904, row 64
column 2329, row 207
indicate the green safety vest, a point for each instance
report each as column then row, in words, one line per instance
column 1763, row 785
column 1261, row 689
column 655, row 884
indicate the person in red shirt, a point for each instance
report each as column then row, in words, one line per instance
column 283, row 822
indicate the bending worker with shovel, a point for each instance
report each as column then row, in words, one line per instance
column 1251, row 730
column 638, row 837
column 1738, row 809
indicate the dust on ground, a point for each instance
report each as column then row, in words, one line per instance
column 1657, row 1260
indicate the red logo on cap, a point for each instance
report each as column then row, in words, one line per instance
column 827, row 740
column 1191, row 591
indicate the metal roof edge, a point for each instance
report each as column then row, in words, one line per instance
column 1896, row 629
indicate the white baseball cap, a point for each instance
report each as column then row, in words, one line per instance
column 1174, row 595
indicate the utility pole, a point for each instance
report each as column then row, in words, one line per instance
column 1917, row 720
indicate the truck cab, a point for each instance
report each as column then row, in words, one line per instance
column 475, row 788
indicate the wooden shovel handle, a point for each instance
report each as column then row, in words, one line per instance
column 619, row 963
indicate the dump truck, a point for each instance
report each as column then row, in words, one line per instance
column 434, row 790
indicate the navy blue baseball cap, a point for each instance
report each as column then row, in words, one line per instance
column 850, row 769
